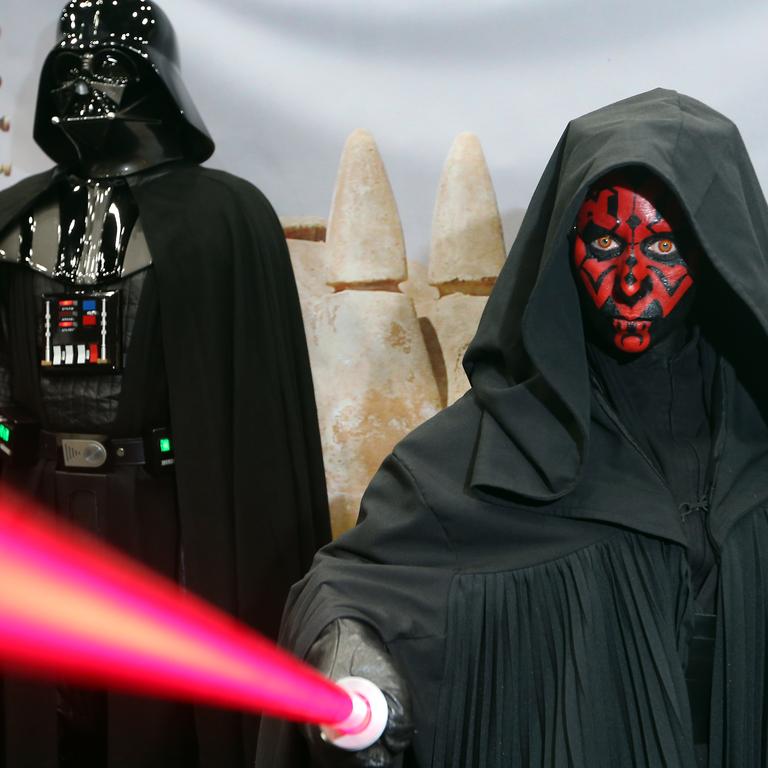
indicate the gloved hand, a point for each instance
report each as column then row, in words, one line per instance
column 351, row 648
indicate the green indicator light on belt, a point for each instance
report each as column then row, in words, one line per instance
column 165, row 445
column 5, row 433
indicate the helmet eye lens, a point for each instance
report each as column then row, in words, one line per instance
column 68, row 67
column 113, row 66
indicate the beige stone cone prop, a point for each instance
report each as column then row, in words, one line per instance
column 455, row 319
column 467, row 240
column 373, row 377
column 312, row 228
column 384, row 361
column 424, row 297
column 310, row 268
column 365, row 237
column 466, row 256
column 374, row 384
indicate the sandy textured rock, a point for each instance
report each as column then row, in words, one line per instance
column 310, row 266
column 424, row 296
column 467, row 241
column 365, row 237
column 373, row 383
column 304, row 227
column 417, row 287
column 344, row 508
column 311, row 272
column 455, row 319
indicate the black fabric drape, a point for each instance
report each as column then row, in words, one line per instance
column 242, row 403
column 525, row 565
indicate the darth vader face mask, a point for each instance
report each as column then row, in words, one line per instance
column 111, row 101
column 93, row 86
column 635, row 261
column 96, row 91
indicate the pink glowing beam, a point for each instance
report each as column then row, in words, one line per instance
column 76, row 610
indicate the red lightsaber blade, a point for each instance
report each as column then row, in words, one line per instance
column 74, row 609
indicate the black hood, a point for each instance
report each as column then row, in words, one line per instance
column 143, row 33
column 527, row 362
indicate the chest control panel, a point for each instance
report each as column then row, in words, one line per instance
column 81, row 332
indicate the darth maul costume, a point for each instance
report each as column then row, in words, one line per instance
column 569, row 566
column 154, row 378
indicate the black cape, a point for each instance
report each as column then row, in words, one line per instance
column 525, row 567
column 249, row 472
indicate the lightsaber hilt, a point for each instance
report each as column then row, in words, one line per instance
column 367, row 720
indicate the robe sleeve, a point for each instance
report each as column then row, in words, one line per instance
column 392, row 571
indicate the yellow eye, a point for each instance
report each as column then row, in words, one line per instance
column 664, row 247
column 605, row 242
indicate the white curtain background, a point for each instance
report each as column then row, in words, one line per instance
column 281, row 83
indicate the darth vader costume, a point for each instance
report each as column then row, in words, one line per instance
column 569, row 566
column 154, row 378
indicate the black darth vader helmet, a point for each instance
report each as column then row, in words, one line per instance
column 111, row 100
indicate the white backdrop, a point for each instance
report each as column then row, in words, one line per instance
column 281, row 83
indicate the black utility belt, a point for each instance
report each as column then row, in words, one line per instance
column 97, row 452
column 23, row 442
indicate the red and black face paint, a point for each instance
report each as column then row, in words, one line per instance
column 627, row 254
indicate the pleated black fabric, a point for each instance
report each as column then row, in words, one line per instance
column 740, row 714
column 525, row 564
column 583, row 657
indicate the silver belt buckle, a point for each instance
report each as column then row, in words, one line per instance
column 83, row 454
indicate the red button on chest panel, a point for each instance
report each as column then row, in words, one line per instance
column 81, row 332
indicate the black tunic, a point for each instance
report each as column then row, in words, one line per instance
column 663, row 398
column 527, row 569
column 128, row 507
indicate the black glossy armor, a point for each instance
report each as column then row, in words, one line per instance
column 111, row 111
column 111, row 100
column 111, row 104
column 84, row 235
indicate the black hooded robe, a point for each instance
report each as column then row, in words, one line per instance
column 250, row 486
column 524, row 565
